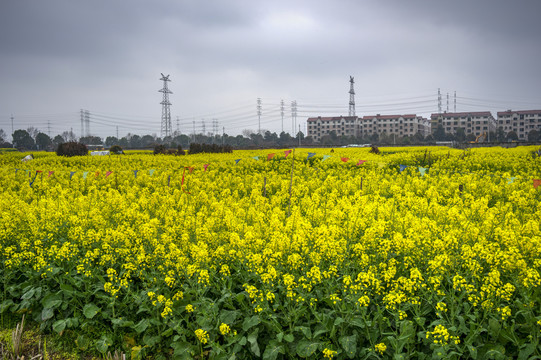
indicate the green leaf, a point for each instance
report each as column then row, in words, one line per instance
column 82, row 342
column 141, row 326
column 151, row 340
column 229, row 316
column 46, row 314
column 349, row 344
column 51, row 301
column 27, row 295
column 122, row 323
column 289, row 338
column 103, row 343
column 182, row 350
column 252, row 339
column 90, row 310
column 526, row 351
column 272, row 350
column 494, row 327
column 305, row 330
column 59, row 326
column 357, row 321
column 338, row 321
column 306, row 348
column 250, row 322
column 6, row 304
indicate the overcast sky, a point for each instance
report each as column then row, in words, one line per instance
column 60, row 56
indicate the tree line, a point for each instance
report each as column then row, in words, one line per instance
column 33, row 139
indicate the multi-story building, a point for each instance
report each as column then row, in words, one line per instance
column 521, row 122
column 401, row 125
column 475, row 123
column 318, row 127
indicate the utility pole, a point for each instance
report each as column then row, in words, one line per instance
column 223, row 135
column 299, row 134
column 455, row 101
column 117, row 133
column 178, row 125
column 259, row 115
column 193, row 131
column 166, row 111
column 447, row 102
column 282, row 113
column 12, row 131
column 49, row 128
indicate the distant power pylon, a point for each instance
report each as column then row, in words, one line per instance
column 351, row 97
column 166, row 129
column 259, row 115
column 293, row 116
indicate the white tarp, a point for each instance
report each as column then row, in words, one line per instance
column 99, row 152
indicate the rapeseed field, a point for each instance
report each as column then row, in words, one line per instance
column 411, row 253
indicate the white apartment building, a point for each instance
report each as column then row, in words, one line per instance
column 475, row 123
column 521, row 122
column 318, row 127
column 401, row 125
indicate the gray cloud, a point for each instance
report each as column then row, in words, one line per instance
column 59, row 56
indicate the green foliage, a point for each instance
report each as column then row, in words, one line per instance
column 71, row 149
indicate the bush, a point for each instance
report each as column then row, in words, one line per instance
column 116, row 149
column 71, row 148
column 159, row 149
column 374, row 150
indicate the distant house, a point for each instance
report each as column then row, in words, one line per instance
column 475, row 123
column 521, row 122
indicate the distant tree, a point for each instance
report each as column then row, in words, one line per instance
column 417, row 138
column 110, row 141
column 533, row 135
column 43, row 141
column 90, row 140
column 58, row 139
column 124, row 142
column 500, row 134
column 460, row 135
column 69, row 136
column 3, row 136
column 470, row 137
column 247, row 132
column 512, row 136
column 33, row 132
column 135, row 142
column 23, row 140
column 439, row 134
column 148, row 140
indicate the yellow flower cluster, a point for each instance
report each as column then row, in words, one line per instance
column 441, row 336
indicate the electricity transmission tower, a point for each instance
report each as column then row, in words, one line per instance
column 351, row 97
column 166, row 129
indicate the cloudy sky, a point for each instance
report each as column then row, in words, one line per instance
column 60, row 56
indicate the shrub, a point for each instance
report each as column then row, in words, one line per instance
column 116, row 149
column 159, row 149
column 71, row 148
column 374, row 150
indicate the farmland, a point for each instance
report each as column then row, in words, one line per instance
column 410, row 253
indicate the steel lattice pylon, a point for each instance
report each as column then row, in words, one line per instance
column 351, row 97
column 166, row 111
